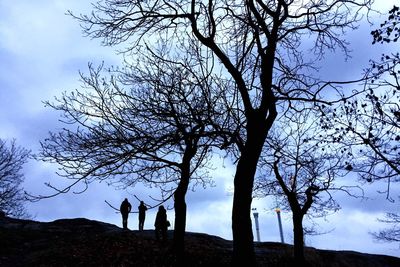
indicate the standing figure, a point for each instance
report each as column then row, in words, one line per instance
column 125, row 208
column 161, row 223
column 142, row 215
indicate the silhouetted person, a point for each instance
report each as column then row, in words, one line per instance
column 161, row 223
column 142, row 215
column 125, row 208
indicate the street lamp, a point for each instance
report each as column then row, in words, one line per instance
column 278, row 213
column 255, row 214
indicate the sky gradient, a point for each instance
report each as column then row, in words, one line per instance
column 42, row 51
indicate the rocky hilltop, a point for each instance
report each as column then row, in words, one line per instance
column 83, row 242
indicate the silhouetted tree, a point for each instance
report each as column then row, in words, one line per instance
column 261, row 47
column 391, row 234
column 389, row 30
column 300, row 168
column 370, row 124
column 12, row 159
column 147, row 123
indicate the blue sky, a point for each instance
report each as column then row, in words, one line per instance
column 41, row 52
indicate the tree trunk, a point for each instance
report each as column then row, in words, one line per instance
column 180, row 228
column 180, row 214
column 243, row 247
column 243, row 250
column 298, row 238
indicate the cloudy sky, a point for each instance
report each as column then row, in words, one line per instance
column 41, row 52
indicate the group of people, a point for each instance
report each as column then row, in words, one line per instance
column 161, row 223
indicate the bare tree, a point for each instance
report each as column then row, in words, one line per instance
column 391, row 234
column 300, row 168
column 12, row 159
column 147, row 123
column 370, row 124
column 261, row 47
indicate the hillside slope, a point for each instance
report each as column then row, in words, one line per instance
column 83, row 242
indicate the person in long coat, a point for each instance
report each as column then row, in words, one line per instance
column 161, row 223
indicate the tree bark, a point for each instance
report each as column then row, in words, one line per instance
column 243, row 247
column 180, row 209
column 180, row 222
column 298, row 235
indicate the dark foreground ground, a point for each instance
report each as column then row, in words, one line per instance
column 82, row 242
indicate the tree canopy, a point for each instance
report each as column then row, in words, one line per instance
column 260, row 46
column 264, row 53
column 300, row 168
column 12, row 159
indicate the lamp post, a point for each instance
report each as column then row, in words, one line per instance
column 278, row 213
column 255, row 214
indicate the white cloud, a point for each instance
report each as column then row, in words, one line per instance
column 351, row 231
